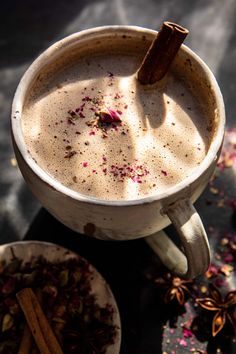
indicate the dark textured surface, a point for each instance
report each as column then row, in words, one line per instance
column 27, row 28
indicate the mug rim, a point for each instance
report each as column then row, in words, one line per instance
column 37, row 64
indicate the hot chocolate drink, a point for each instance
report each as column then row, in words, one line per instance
column 92, row 126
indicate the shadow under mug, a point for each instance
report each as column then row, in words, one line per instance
column 129, row 219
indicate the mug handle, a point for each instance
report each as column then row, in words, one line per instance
column 196, row 257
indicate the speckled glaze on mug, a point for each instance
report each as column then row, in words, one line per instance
column 124, row 220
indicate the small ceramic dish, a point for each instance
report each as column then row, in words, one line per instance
column 28, row 250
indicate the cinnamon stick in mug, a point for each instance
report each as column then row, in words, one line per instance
column 161, row 53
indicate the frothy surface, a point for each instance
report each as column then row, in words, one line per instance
column 161, row 139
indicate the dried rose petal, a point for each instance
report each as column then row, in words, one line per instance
column 51, row 292
column 232, row 204
column 108, row 115
column 183, row 343
column 72, row 113
column 12, row 305
column 164, row 173
column 212, row 271
column 115, row 115
column 9, row 286
column 70, row 154
column 187, row 332
column 226, row 269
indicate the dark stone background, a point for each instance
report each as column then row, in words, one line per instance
column 26, row 29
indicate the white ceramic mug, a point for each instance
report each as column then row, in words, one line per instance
column 125, row 220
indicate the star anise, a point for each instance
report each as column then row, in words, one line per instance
column 224, row 308
column 176, row 288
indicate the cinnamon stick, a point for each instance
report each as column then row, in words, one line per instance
column 38, row 323
column 27, row 344
column 161, row 53
column 26, row 341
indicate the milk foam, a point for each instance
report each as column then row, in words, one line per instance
column 161, row 139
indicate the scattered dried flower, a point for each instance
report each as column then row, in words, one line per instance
column 80, row 324
column 108, row 115
column 226, row 269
